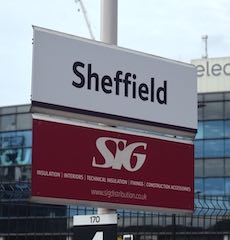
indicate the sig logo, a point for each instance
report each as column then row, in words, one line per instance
column 120, row 154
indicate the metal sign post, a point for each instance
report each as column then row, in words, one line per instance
column 108, row 35
column 109, row 21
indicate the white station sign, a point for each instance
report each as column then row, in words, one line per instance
column 91, row 78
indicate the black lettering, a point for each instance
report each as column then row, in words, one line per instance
column 143, row 89
column 127, row 86
column 80, row 75
column 127, row 82
column 134, row 86
column 225, row 71
column 118, row 81
column 162, row 90
column 152, row 89
column 216, row 69
column 207, row 68
column 106, row 82
column 200, row 70
column 92, row 75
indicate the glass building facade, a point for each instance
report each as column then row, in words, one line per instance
column 212, row 144
column 15, row 144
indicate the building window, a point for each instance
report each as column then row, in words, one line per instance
column 199, row 185
column 15, row 156
column 214, row 148
column 213, row 97
column 199, row 148
column 8, row 110
column 214, row 186
column 227, row 167
column 213, row 129
column 15, row 139
column 201, row 106
column 199, row 166
column 15, row 148
column 227, row 111
column 200, row 131
column 24, row 121
column 227, row 148
column 15, row 173
column 227, row 128
column 214, row 167
column 7, row 123
column 213, row 110
column 227, row 96
column 227, row 186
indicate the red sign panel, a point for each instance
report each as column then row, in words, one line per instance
column 108, row 168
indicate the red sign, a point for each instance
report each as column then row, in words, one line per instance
column 110, row 168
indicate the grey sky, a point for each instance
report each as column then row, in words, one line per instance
column 167, row 28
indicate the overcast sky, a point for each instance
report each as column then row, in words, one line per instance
column 167, row 28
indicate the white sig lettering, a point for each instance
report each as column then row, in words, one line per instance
column 122, row 157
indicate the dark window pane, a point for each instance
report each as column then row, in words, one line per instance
column 7, row 123
column 200, row 97
column 227, row 148
column 15, row 156
column 227, row 128
column 213, row 110
column 7, row 110
column 24, row 121
column 227, row 110
column 227, row 96
column 15, row 139
column 214, row 167
column 227, row 167
column 200, row 111
column 27, row 136
column 15, row 173
column 214, row 148
column 199, row 185
column 23, row 108
column 213, row 129
column 199, row 134
column 214, row 97
column 227, row 186
column 198, row 148
column 199, row 165
column 214, row 186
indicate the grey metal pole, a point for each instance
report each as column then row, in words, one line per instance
column 108, row 35
column 109, row 21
